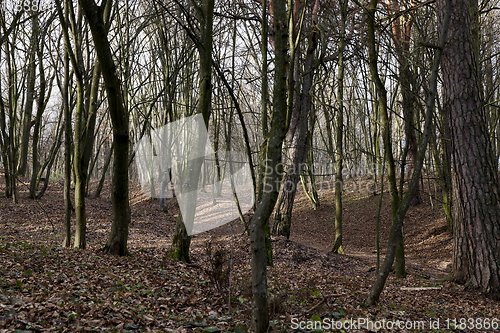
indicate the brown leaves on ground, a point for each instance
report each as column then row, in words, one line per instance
column 45, row 288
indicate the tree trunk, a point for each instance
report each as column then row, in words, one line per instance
column 8, row 140
column 181, row 241
column 263, row 102
column 67, row 154
column 399, row 208
column 5, row 148
column 80, row 176
column 339, row 147
column 476, row 206
column 30, row 97
column 279, row 124
column 117, row 241
column 12, row 151
column 298, row 146
column 446, row 185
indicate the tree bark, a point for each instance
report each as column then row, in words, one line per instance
column 67, row 154
column 339, row 147
column 399, row 208
column 298, row 145
column 117, row 241
column 476, row 191
column 180, row 244
column 30, row 97
column 278, row 130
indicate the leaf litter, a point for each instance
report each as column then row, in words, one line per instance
column 45, row 287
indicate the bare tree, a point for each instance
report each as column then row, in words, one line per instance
column 277, row 132
column 204, row 11
column 399, row 207
column 298, row 128
column 96, row 18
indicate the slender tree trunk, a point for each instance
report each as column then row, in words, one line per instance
column 263, row 101
column 8, row 141
column 76, row 57
column 80, row 176
column 279, row 124
column 476, row 197
column 117, row 241
column 91, row 119
column 309, row 174
column 446, row 185
column 399, row 208
column 30, row 97
column 67, row 154
column 5, row 149
column 105, row 168
column 298, row 145
column 181, row 241
column 12, row 151
column 339, row 147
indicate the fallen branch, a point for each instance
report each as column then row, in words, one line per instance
column 322, row 301
column 420, row 288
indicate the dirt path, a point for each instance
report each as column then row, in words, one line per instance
column 428, row 245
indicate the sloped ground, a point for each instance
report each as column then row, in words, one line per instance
column 427, row 244
column 44, row 287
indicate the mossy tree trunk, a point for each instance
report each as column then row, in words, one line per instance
column 399, row 208
column 67, row 154
column 277, row 132
column 298, row 144
column 117, row 241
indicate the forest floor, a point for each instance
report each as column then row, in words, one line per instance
column 45, row 288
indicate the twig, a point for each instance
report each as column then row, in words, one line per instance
column 322, row 301
column 194, row 326
column 420, row 288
